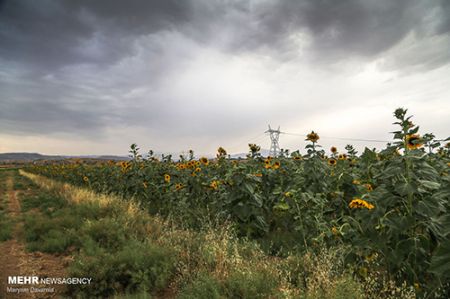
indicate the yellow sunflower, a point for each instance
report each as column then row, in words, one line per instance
column 214, row 185
column 332, row 162
column 276, row 165
column 342, row 157
column 204, row 161
column 413, row 141
column 335, row 231
column 359, row 203
column 179, row 186
column 368, row 187
column 313, row 137
column 167, row 178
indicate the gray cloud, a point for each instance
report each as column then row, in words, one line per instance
column 58, row 33
column 52, row 34
column 87, row 67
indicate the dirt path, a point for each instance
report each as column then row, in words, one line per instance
column 16, row 261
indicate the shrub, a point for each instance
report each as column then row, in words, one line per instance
column 136, row 267
column 258, row 283
column 203, row 287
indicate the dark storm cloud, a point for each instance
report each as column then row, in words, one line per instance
column 57, row 33
column 346, row 27
column 28, row 107
column 444, row 17
column 52, row 33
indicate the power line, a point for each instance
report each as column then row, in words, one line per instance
column 340, row 138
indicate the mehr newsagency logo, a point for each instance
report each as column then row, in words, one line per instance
column 47, row 281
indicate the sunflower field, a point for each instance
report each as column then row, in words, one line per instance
column 390, row 207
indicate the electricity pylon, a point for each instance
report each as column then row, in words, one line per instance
column 274, row 137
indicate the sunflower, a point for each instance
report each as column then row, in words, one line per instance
column 413, row 141
column 145, row 184
column 258, row 175
column 356, row 182
column 198, row 169
column 86, row 179
column 167, row 178
column 125, row 165
column 342, row 157
column 297, row 158
column 332, row 162
column 179, row 186
column 204, row 161
column 221, row 152
column 333, row 149
column 368, row 187
column 313, row 137
column 181, row 166
column 254, row 148
column 214, row 185
column 335, row 231
column 276, row 165
column 359, row 203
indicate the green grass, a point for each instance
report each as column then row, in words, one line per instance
column 6, row 223
column 203, row 287
column 45, row 201
column 136, row 267
column 22, row 183
column 6, row 226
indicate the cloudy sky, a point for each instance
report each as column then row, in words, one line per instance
column 92, row 77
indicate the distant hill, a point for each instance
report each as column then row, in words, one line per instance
column 24, row 157
column 29, row 157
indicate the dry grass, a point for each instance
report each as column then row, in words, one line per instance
column 81, row 195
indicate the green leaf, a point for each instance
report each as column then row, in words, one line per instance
column 430, row 185
column 249, row 188
column 281, row 206
column 440, row 262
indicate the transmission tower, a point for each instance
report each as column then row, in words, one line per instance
column 274, row 137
